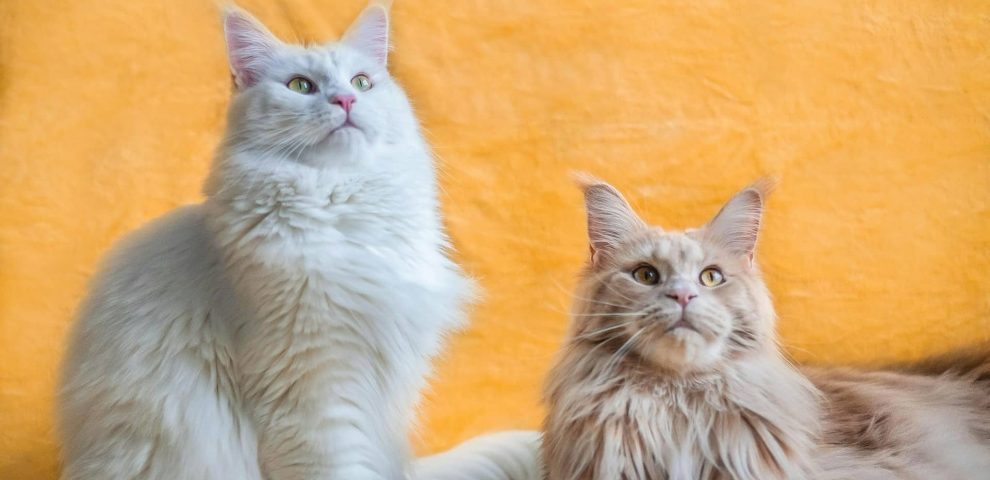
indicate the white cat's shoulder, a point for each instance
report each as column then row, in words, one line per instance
column 165, row 266
column 172, row 243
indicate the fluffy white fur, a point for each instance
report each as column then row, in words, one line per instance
column 283, row 328
column 505, row 455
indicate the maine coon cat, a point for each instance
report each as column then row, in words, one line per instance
column 671, row 370
column 282, row 329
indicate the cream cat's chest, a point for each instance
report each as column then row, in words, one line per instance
column 674, row 427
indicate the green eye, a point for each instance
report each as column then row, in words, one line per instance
column 712, row 277
column 646, row 275
column 361, row 82
column 301, row 85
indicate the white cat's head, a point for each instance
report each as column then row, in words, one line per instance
column 314, row 104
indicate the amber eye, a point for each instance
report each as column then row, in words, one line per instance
column 646, row 275
column 301, row 85
column 361, row 82
column 712, row 277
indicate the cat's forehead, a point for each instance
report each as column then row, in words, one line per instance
column 332, row 58
column 673, row 248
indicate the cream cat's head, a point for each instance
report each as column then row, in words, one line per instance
column 680, row 301
column 314, row 104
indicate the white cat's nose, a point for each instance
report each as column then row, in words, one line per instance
column 345, row 100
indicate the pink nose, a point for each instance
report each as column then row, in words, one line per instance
column 345, row 101
column 683, row 295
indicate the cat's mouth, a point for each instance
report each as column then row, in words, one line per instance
column 347, row 125
column 681, row 323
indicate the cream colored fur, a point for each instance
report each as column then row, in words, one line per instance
column 679, row 380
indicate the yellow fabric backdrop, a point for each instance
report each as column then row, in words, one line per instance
column 875, row 116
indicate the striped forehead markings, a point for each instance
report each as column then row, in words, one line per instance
column 677, row 249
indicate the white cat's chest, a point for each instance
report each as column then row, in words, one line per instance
column 388, row 293
column 332, row 277
column 338, row 310
column 316, row 265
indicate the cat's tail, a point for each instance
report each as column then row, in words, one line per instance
column 513, row 455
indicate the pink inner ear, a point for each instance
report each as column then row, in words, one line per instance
column 250, row 48
column 369, row 33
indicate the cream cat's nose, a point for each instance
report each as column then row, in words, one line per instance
column 683, row 295
column 344, row 100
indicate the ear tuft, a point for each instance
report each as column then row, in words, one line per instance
column 736, row 226
column 369, row 32
column 250, row 46
column 764, row 186
column 610, row 218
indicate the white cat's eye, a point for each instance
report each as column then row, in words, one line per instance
column 361, row 82
column 711, row 277
column 301, row 85
column 646, row 275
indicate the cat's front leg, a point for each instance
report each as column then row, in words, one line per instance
column 296, row 459
column 325, row 422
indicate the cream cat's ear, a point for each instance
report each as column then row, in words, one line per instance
column 250, row 46
column 610, row 218
column 737, row 225
column 369, row 32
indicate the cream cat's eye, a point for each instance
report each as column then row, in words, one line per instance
column 712, row 277
column 301, row 85
column 361, row 82
column 646, row 275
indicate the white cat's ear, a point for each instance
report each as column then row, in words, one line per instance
column 369, row 32
column 610, row 218
column 250, row 46
column 737, row 225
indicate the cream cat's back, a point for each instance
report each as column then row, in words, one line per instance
column 148, row 377
column 896, row 424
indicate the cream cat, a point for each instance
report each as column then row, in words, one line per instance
column 672, row 371
column 283, row 328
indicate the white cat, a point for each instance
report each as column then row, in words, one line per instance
column 283, row 328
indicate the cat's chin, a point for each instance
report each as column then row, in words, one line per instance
column 343, row 136
column 343, row 144
column 682, row 350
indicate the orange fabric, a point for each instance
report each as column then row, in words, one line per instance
column 875, row 116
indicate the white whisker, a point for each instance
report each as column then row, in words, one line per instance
column 595, row 333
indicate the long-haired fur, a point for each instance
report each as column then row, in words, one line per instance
column 676, row 376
